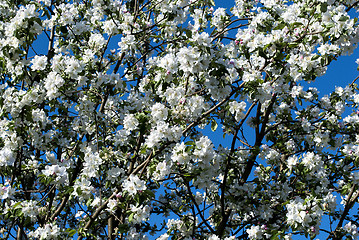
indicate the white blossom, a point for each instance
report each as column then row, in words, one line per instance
column 133, row 184
column 39, row 63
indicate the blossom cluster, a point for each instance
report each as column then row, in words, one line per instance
column 112, row 112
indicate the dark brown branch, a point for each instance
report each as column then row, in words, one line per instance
column 197, row 207
column 352, row 6
column 259, row 138
column 349, row 204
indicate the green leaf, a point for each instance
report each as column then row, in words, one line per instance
column 330, row 25
column 300, row 101
column 280, row 26
column 188, row 33
column 214, row 125
column 17, row 205
column 149, row 193
column 78, row 191
column 71, row 232
column 315, row 57
column 123, row 228
column 88, row 202
column 130, row 218
column 296, row 24
column 343, row 18
column 137, row 198
column 324, row 7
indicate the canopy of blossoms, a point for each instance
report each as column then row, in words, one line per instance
column 106, row 106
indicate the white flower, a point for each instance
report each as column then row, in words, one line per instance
column 204, row 149
column 49, row 231
column 298, row 215
column 111, row 205
column 311, row 160
column 7, row 157
column 52, row 84
column 218, row 18
column 196, row 105
column 38, row 115
column 174, row 95
column 96, row 202
column 114, row 173
column 351, row 229
column 162, row 170
column 356, row 98
column 29, row 209
column 6, row 192
column 164, row 236
column 127, row 43
column 39, row 63
column 292, row 161
column 238, row 109
column 169, row 63
column 202, row 39
column 56, row 171
column 46, row 2
column 159, row 112
column 213, row 237
column 73, row 67
column 254, row 232
column 97, row 41
column 161, row 132
column 133, row 185
column 110, row 27
column 141, row 213
column 189, row 59
column 92, row 162
column 130, row 122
